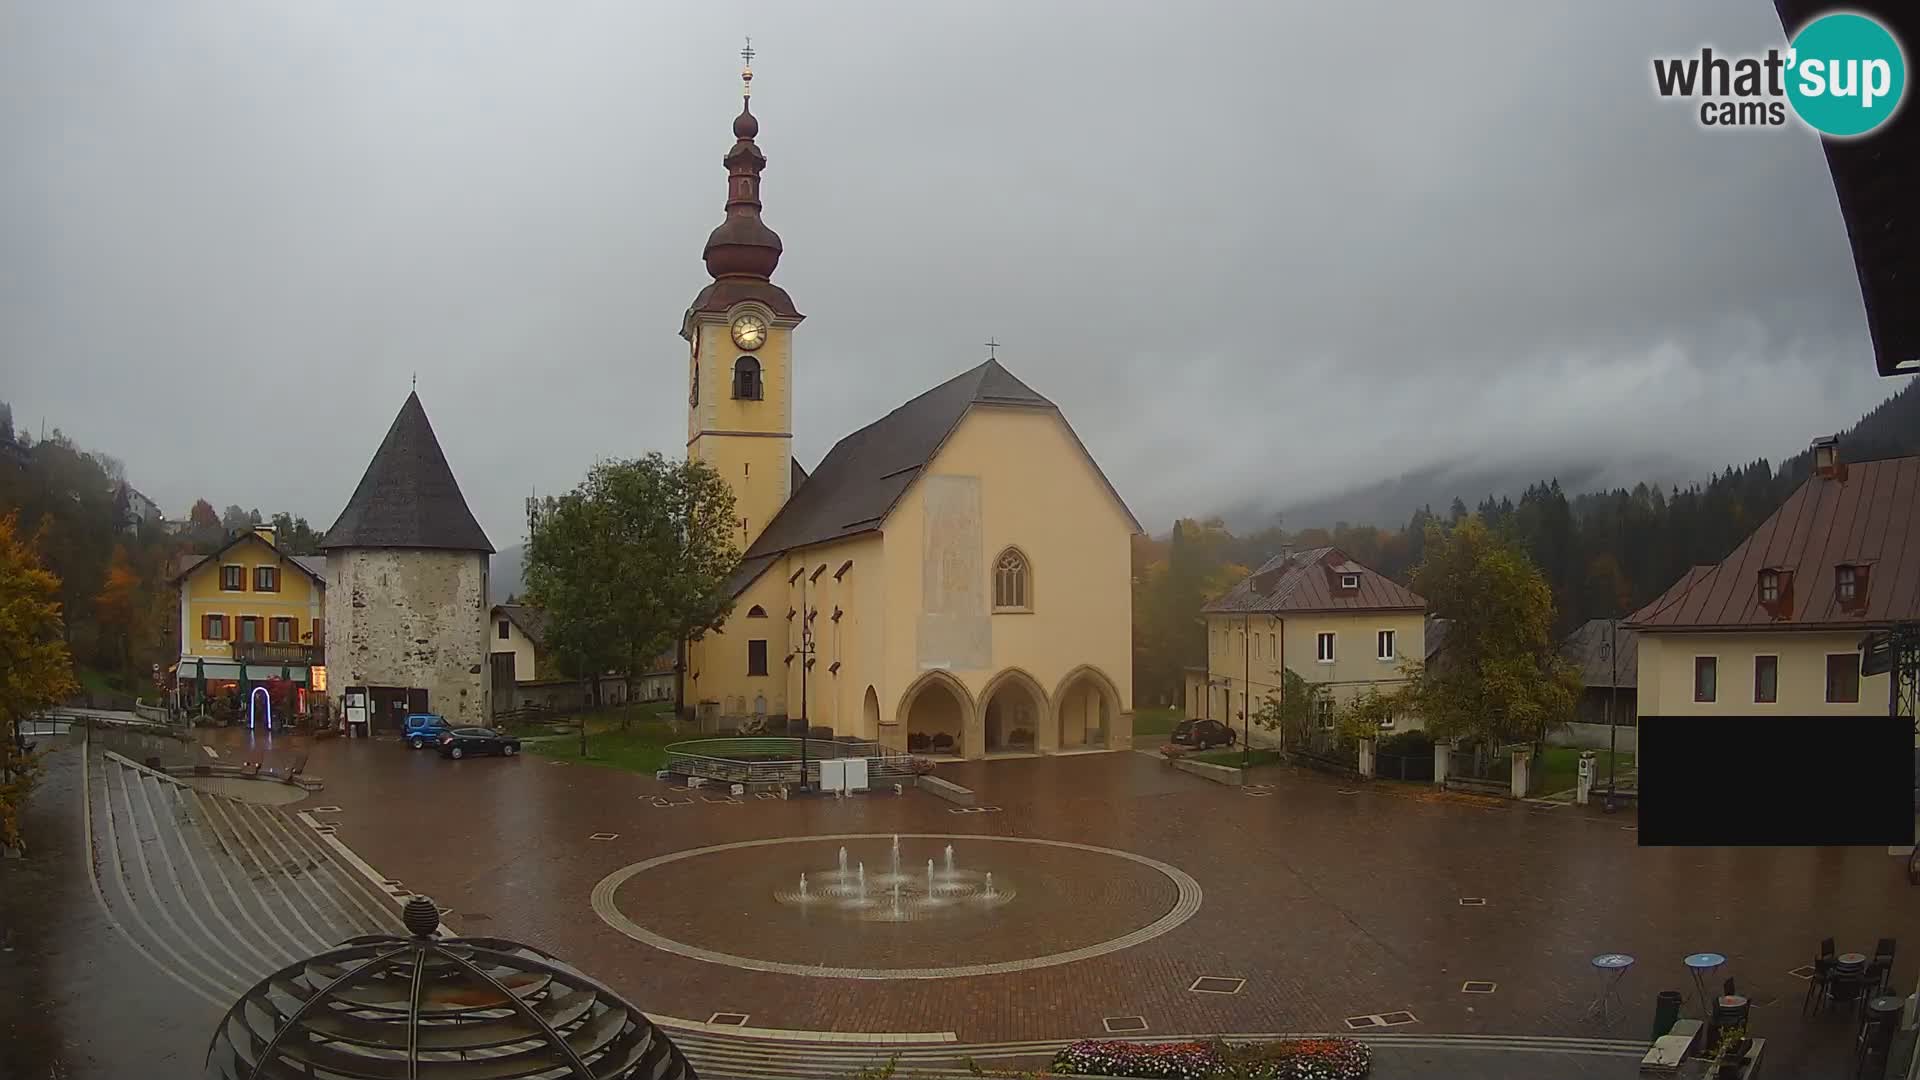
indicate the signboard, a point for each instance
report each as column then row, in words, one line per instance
column 319, row 678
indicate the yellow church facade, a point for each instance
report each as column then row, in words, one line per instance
column 952, row 579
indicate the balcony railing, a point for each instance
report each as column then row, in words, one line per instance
column 278, row 652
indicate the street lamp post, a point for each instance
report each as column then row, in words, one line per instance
column 806, row 660
column 1612, row 647
column 1246, row 694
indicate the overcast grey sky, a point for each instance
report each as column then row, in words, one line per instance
column 1270, row 246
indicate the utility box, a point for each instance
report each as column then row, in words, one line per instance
column 843, row 776
column 1584, row 785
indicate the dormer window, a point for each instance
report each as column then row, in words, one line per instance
column 1826, row 456
column 1349, row 581
column 1850, row 585
column 1769, row 586
column 746, row 379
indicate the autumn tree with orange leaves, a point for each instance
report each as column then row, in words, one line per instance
column 35, row 669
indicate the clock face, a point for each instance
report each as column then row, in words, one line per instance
column 749, row 332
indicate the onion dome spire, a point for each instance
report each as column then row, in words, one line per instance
column 743, row 246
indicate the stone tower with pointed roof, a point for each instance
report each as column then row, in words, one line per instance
column 951, row 579
column 407, row 584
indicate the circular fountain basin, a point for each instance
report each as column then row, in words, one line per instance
column 1049, row 902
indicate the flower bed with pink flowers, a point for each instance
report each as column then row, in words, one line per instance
column 1280, row 1059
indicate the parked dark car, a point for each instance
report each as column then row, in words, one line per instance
column 1201, row 734
column 424, row 728
column 469, row 741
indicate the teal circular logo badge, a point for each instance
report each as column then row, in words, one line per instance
column 1846, row 75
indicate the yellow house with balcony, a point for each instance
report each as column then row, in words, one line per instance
column 250, row 612
column 1318, row 614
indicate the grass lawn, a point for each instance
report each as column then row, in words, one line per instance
column 641, row 747
column 1155, row 721
column 1559, row 768
column 95, row 680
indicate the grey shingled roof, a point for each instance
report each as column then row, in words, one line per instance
column 861, row 478
column 1586, row 647
column 408, row 497
column 531, row 620
column 1303, row 581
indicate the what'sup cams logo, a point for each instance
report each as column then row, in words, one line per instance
column 1843, row 75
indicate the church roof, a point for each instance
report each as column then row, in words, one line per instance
column 408, row 497
column 854, row 487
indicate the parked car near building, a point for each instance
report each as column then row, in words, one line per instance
column 468, row 741
column 424, row 728
column 1201, row 734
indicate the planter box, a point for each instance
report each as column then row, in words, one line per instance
column 1219, row 774
column 945, row 789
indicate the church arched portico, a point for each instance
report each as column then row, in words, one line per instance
column 1013, row 710
column 938, row 713
column 1086, row 709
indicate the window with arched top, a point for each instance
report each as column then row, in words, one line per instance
column 746, row 379
column 1012, row 582
column 756, row 612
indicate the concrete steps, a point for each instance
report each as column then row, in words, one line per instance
column 215, row 891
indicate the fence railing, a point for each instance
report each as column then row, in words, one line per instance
column 777, row 760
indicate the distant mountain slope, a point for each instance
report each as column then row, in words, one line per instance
column 1892, row 428
column 1389, row 503
column 506, row 577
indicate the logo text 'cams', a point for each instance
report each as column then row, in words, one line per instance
column 1842, row 75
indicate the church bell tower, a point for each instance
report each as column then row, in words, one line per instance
column 739, row 331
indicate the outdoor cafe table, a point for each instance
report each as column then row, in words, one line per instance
column 1700, row 965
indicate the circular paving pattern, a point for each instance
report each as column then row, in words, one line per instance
column 886, row 913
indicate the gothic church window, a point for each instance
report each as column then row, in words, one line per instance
column 1012, row 584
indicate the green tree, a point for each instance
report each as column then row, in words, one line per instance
column 1503, row 681
column 1291, row 712
column 635, row 559
column 293, row 535
column 37, row 672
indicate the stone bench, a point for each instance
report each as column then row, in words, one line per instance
column 945, row 789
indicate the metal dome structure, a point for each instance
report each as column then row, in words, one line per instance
column 420, row 1007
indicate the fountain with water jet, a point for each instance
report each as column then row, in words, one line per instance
column 897, row 897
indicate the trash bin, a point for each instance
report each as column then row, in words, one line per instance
column 1877, row 1029
column 1666, row 1010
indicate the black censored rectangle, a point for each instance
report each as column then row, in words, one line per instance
column 1785, row 781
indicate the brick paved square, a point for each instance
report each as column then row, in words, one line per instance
column 1333, row 905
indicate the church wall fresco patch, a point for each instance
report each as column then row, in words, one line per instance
column 955, row 631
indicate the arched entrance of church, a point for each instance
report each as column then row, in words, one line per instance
column 1013, row 705
column 935, row 711
column 870, row 715
column 1086, row 707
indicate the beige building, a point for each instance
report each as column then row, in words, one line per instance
column 1316, row 613
column 1775, row 627
column 525, row 676
column 952, row 578
column 517, row 633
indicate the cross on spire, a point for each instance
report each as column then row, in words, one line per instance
column 991, row 346
column 746, row 71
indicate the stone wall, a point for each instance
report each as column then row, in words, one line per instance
column 412, row 618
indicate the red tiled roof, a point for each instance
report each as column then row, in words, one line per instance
column 1304, row 581
column 1870, row 518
